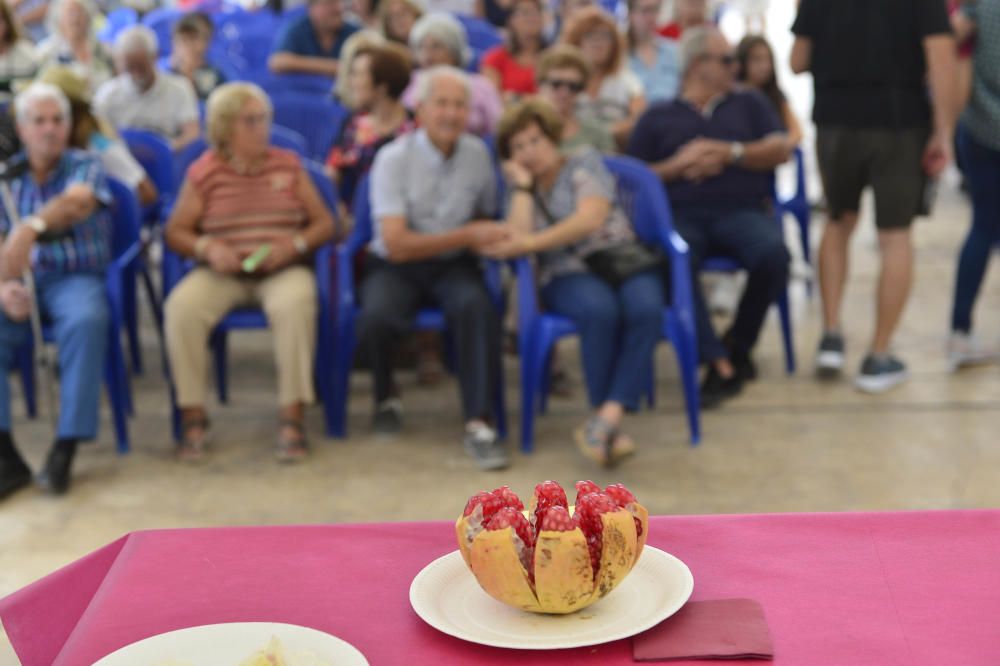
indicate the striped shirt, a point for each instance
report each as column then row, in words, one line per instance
column 86, row 246
column 248, row 210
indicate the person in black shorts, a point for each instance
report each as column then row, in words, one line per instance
column 878, row 126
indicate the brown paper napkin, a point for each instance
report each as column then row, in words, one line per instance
column 718, row 629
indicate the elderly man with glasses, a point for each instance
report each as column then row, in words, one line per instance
column 715, row 147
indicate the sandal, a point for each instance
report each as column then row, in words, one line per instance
column 622, row 446
column 291, row 449
column 594, row 440
column 193, row 448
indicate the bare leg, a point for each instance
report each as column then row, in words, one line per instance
column 833, row 255
column 894, row 283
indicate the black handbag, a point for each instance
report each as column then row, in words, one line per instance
column 615, row 264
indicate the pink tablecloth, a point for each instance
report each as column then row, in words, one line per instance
column 888, row 589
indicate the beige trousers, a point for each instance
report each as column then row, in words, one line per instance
column 200, row 301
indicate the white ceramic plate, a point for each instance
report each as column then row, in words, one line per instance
column 446, row 595
column 229, row 644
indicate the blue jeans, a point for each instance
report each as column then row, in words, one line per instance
column 618, row 330
column 76, row 308
column 982, row 171
column 754, row 240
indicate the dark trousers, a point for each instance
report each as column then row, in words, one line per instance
column 391, row 295
column 754, row 240
column 982, row 171
column 619, row 329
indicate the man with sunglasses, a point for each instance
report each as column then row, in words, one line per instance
column 715, row 148
column 562, row 76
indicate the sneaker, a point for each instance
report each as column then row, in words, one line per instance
column 966, row 350
column 483, row 446
column 388, row 418
column 715, row 388
column 830, row 356
column 55, row 476
column 881, row 372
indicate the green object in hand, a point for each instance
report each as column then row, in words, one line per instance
column 251, row 263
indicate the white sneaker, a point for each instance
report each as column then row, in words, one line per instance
column 964, row 350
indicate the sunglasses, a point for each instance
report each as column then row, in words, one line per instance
column 572, row 86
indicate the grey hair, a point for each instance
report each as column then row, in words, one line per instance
column 446, row 29
column 135, row 39
column 40, row 92
column 54, row 14
column 425, row 84
column 694, row 44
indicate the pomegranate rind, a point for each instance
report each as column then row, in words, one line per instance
column 618, row 552
column 640, row 512
column 564, row 579
column 461, row 536
column 495, row 563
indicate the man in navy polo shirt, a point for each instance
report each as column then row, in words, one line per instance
column 715, row 147
column 311, row 43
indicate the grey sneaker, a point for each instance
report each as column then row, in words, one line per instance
column 881, row 372
column 484, row 448
column 830, row 356
column 388, row 419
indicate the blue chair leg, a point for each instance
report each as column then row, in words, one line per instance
column 786, row 333
column 117, row 387
column 343, row 353
column 802, row 217
column 686, row 351
column 530, row 371
column 545, row 379
column 219, row 348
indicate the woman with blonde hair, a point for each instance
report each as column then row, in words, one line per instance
column 244, row 197
column 361, row 40
column 614, row 96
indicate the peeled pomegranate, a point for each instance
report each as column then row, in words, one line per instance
column 547, row 559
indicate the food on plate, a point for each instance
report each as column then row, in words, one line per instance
column 552, row 558
column 275, row 654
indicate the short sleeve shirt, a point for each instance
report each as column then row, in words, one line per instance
column 982, row 116
column 613, row 99
column 300, row 38
column 164, row 109
column 744, row 116
column 86, row 246
column 661, row 80
column 583, row 175
column 868, row 60
column 411, row 178
column 514, row 77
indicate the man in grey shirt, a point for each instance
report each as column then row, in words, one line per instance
column 434, row 202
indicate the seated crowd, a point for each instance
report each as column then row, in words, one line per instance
column 548, row 101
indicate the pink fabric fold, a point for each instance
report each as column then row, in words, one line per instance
column 716, row 629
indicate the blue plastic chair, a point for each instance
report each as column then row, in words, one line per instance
column 175, row 267
column 161, row 21
column 643, row 199
column 153, row 152
column 126, row 249
column 317, row 119
column 482, row 36
column 116, row 21
column 346, row 312
column 312, row 85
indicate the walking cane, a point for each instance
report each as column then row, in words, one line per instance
column 42, row 353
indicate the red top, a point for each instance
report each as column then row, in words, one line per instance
column 514, row 77
column 672, row 30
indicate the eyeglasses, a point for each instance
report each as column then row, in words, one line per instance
column 556, row 84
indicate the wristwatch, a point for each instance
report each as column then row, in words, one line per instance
column 36, row 223
column 736, row 150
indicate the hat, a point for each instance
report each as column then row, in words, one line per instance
column 72, row 84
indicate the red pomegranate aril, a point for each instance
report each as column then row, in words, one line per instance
column 589, row 509
column 548, row 494
column 584, row 488
column 509, row 498
column 623, row 497
column 557, row 519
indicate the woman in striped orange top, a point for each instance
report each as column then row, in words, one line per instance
column 244, row 199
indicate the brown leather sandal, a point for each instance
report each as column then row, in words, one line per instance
column 193, row 448
column 291, row 449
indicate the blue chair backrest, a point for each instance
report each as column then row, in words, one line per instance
column 161, row 21
column 312, row 85
column 289, row 139
column 117, row 20
column 327, row 191
column 317, row 119
column 154, row 154
column 641, row 196
column 361, row 234
column 125, row 218
column 481, row 34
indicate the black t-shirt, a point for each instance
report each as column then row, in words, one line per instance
column 868, row 59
